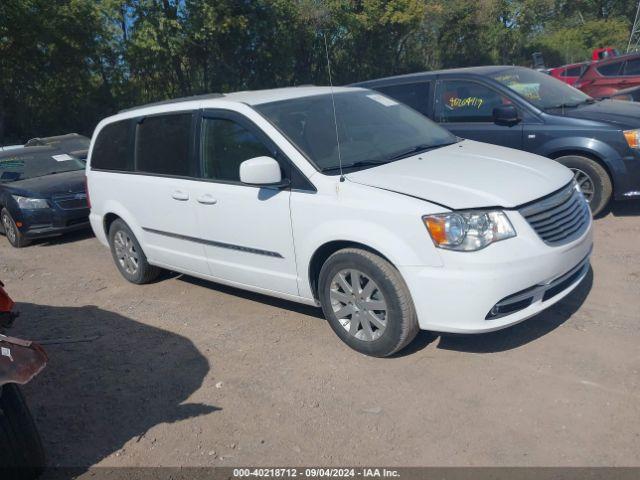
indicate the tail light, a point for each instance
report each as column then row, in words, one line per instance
column 86, row 189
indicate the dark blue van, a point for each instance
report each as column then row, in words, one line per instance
column 520, row 108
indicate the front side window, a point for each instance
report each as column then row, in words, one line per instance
column 543, row 91
column 632, row 67
column 372, row 129
column 416, row 95
column 112, row 148
column 610, row 69
column 225, row 145
column 465, row 101
column 162, row 145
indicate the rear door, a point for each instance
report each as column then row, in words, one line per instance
column 465, row 108
column 162, row 191
column 418, row 95
column 246, row 230
column 610, row 79
column 631, row 73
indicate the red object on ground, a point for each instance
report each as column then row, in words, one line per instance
column 6, row 304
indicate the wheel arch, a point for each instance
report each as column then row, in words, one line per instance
column 107, row 220
column 324, row 251
column 587, row 154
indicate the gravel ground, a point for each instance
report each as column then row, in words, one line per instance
column 185, row 372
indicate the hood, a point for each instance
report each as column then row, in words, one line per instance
column 469, row 174
column 59, row 183
column 617, row 112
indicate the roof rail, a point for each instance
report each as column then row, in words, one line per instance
column 205, row 96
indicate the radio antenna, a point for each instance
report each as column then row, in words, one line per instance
column 333, row 103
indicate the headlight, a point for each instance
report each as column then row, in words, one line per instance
column 30, row 203
column 468, row 231
column 632, row 137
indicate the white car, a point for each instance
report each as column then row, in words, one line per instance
column 386, row 220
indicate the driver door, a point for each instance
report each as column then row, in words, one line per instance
column 465, row 108
column 246, row 230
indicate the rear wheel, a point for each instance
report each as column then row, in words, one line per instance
column 593, row 180
column 11, row 231
column 367, row 303
column 128, row 255
column 21, row 451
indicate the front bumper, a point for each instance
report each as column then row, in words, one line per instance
column 51, row 222
column 459, row 297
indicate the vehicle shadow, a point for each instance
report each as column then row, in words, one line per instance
column 626, row 208
column 109, row 380
column 255, row 297
column 525, row 332
column 62, row 239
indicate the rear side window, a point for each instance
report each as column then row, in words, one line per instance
column 112, row 149
column 611, row 69
column 225, row 145
column 162, row 145
column 416, row 95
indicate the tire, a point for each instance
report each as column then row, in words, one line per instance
column 11, row 231
column 21, row 452
column 389, row 330
column 592, row 173
column 128, row 255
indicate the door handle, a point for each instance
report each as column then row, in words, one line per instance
column 207, row 199
column 180, row 195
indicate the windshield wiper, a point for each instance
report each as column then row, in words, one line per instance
column 572, row 105
column 396, row 156
column 361, row 163
column 417, row 149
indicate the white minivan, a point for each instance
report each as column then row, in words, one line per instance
column 388, row 222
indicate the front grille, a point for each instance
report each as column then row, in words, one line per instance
column 560, row 217
column 71, row 201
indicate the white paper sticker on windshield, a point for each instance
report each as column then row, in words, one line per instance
column 62, row 157
column 387, row 102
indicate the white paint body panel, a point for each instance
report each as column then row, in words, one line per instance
column 379, row 207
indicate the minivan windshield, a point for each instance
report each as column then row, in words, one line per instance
column 373, row 129
column 35, row 162
column 543, row 91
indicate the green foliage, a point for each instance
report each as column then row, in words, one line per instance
column 65, row 64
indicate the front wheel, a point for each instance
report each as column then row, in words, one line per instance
column 592, row 179
column 367, row 303
column 15, row 237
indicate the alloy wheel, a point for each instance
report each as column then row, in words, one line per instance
column 585, row 183
column 9, row 229
column 358, row 304
column 126, row 252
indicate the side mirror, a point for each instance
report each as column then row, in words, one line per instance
column 261, row 171
column 505, row 115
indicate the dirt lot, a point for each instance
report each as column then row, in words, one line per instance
column 184, row 372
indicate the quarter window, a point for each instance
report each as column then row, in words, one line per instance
column 112, row 149
column 225, row 145
column 463, row 101
column 162, row 145
column 416, row 95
